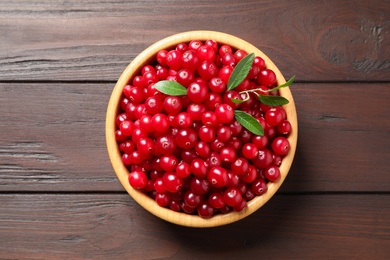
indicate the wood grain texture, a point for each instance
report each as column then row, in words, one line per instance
column 52, row 138
column 104, row 226
column 95, row 40
column 59, row 197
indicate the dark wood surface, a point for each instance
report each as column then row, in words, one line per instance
column 59, row 196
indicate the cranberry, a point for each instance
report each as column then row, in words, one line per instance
column 188, row 155
column 207, row 70
column 139, row 82
column 254, row 70
column 249, row 194
column 249, row 150
column 241, row 206
column 186, row 138
column 227, row 154
column 232, row 196
column 214, row 100
column 183, row 170
column 228, row 59
column 199, row 186
column 165, row 144
column 217, row 85
column 162, row 73
column 159, row 185
column 127, row 146
column 174, row 59
column 209, row 118
column 284, row 127
column 126, row 127
column 162, row 57
column 274, row 116
column 138, row 179
column 197, row 92
column 136, row 95
column 272, row 173
column 162, row 199
column 190, row 60
column 216, row 145
column 172, row 104
column 196, row 110
column 218, row 176
column 259, row 62
column 213, row 160
column 240, row 166
column 205, row 210
column 213, row 44
column 146, row 123
column 280, row 145
column 259, row 186
column 160, row 123
column 216, row 200
column 263, row 158
column 172, row 182
column 183, row 120
column 191, row 199
column 199, row 168
column 250, row 175
column 175, row 206
column 182, row 47
column 185, row 77
column 224, row 49
column 150, row 77
column 168, row 162
column 224, row 133
column 235, row 127
column 206, row 53
column 153, row 105
column 266, row 77
column 194, row 45
column 277, row 159
column 224, row 73
column 224, row 113
column 260, row 141
column 234, row 180
column 203, row 149
column 145, row 146
column 138, row 134
column 239, row 54
column 206, row 133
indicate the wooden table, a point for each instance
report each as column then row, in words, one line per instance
column 59, row 196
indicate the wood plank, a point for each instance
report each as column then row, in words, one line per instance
column 52, row 138
column 90, row 40
column 103, row 226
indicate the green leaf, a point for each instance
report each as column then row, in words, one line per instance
column 237, row 101
column 273, row 101
column 240, row 71
column 288, row 83
column 171, row 88
column 249, row 122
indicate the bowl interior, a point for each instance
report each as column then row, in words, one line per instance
column 120, row 169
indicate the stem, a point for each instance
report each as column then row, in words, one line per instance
column 252, row 91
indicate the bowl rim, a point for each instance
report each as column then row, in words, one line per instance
column 120, row 169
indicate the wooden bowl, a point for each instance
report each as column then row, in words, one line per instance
column 145, row 201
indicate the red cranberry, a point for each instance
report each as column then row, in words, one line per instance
column 280, row 145
column 138, row 179
column 218, row 176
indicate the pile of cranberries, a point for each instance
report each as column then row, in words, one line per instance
column 188, row 152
